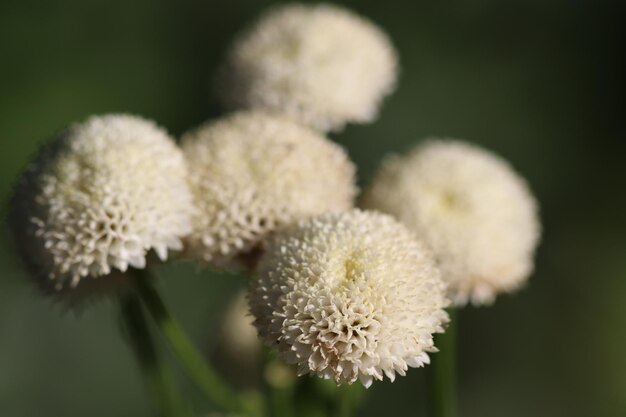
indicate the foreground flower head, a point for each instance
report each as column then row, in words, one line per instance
column 349, row 296
column 321, row 65
column 98, row 198
column 469, row 205
column 252, row 173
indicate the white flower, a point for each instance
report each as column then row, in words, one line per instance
column 321, row 65
column 252, row 173
column 98, row 198
column 349, row 296
column 469, row 205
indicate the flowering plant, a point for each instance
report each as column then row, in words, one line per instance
column 339, row 290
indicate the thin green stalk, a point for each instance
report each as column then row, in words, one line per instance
column 348, row 399
column 207, row 379
column 443, row 372
column 344, row 402
column 165, row 396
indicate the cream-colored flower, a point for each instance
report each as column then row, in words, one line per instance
column 321, row 65
column 252, row 173
column 98, row 198
column 469, row 205
column 349, row 296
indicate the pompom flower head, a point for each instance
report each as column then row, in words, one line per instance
column 97, row 199
column 321, row 65
column 252, row 173
column 469, row 205
column 349, row 296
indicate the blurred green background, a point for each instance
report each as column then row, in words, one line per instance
column 541, row 82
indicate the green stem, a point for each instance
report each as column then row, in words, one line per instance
column 166, row 399
column 443, row 372
column 207, row 379
column 349, row 399
column 344, row 402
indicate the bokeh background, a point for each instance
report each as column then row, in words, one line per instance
column 541, row 82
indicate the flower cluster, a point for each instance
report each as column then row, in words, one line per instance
column 341, row 293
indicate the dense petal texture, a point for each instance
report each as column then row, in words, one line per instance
column 98, row 198
column 469, row 205
column 252, row 173
column 321, row 65
column 349, row 296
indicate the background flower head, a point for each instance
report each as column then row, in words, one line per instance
column 470, row 206
column 238, row 351
column 321, row 65
column 252, row 173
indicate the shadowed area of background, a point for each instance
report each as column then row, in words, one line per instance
column 539, row 82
